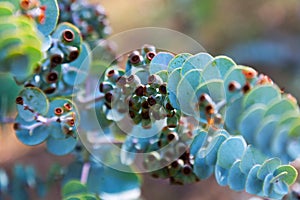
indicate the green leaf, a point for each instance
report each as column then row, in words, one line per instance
column 51, row 17
column 236, row 178
column 269, row 166
column 61, row 147
column 289, row 174
column 172, row 85
column 186, row 90
column 198, row 61
column 36, row 100
column 177, row 61
column 160, row 62
column 253, row 184
column 30, row 137
column 263, row 94
column 247, row 124
column 251, row 158
column 226, row 157
column 218, row 68
column 77, row 71
column 72, row 188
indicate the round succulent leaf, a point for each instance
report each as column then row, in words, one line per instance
column 201, row 169
column 61, row 147
column 251, row 157
column 163, row 74
column 218, row 68
column 58, row 34
column 268, row 167
column 178, row 61
column 73, row 187
column 249, row 121
column 6, row 9
column 279, row 190
column 160, row 62
column 186, row 90
column 263, row 94
column 281, row 107
column 103, row 181
column 213, row 147
column 289, row 174
column 253, row 184
column 234, row 74
column 221, row 175
column 233, row 112
column 31, row 137
column 226, row 157
column 198, row 61
column 295, row 129
column 172, row 85
column 293, row 149
column 76, row 72
column 36, row 100
column 236, row 178
column 51, row 17
column 264, row 133
column 279, row 142
column 198, row 141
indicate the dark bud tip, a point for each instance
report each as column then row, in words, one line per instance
column 169, row 106
column 73, row 55
column 171, row 136
column 56, row 59
column 50, row 90
column 16, row 126
column 187, row 170
column 145, row 114
column 163, row 89
column 109, row 97
column 134, row 57
column 19, row 100
column 151, row 101
column 131, row 114
column 111, row 73
column 145, row 104
column 203, row 98
column 67, row 106
column 58, row 111
column 209, row 109
column 246, row 87
column 52, row 77
column 150, row 55
column 121, row 80
column 68, row 35
column 140, row 90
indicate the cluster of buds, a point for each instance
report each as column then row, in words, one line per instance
column 173, row 159
column 47, row 74
column 33, row 9
column 90, row 19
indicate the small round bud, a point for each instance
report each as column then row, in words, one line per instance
column 150, row 55
column 52, row 77
column 68, row 35
column 163, row 89
column 67, row 106
column 58, row 111
column 19, row 100
column 135, row 58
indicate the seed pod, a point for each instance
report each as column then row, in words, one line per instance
column 163, row 89
column 68, row 35
column 68, row 107
column 148, row 48
column 155, row 79
column 56, row 56
column 58, row 111
column 105, row 87
column 149, row 56
column 234, row 86
column 19, row 100
column 52, row 77
column 135, row 59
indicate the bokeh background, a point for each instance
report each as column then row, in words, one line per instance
column 262, row 34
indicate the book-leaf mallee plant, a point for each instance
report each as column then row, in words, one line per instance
column 189, row 116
